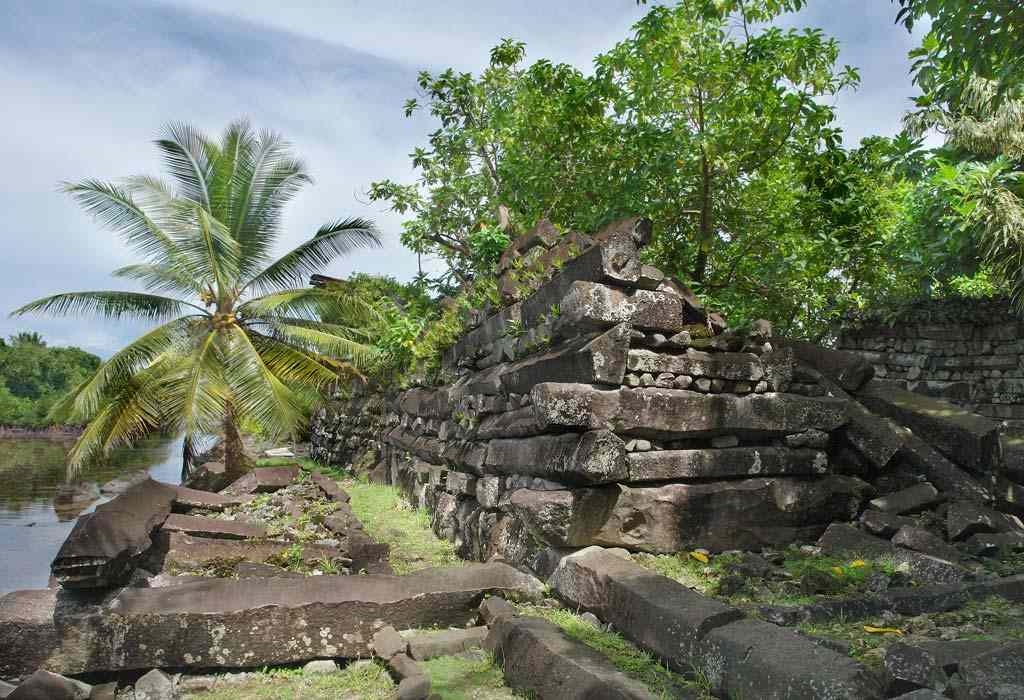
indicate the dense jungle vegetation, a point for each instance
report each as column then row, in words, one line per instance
column 34, row 376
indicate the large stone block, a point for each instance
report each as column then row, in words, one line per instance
column 694, row 634
column 563, row 518
column 538, row 656
column 950, row 479
column 970, row 440
column 601, row 360
column 198, row 526
column 180, row 552
column 104, row 546
column 848, row 369
column 595, row 457
column 680, row 413
column 735, row 514
column 668, row 465
column 221, row 623
column 841, row 538
column 737, row 366
column 263, row 480
column 877, row 438
column 591, row 306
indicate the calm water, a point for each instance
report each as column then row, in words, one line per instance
column 31, row 530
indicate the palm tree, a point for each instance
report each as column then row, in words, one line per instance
column 240, row 341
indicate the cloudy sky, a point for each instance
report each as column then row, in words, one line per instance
column 87, row 84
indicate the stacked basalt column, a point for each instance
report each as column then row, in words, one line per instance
column 347, row 431
column 608, row 408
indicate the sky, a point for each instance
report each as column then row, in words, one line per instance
column 87, row 85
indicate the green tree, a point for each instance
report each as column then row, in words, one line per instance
column 967, row 39
column 240, row 341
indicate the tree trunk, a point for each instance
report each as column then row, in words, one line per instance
column 704, row 236
column 236, row 461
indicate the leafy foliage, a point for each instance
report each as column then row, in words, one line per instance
column 33, row 377
column 240, row 341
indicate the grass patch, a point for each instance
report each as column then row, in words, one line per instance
column 388, row 517
column 624, row 655
column 355, row 682
column 468, row 678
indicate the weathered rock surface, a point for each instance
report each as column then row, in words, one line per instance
column 563, row 518
column 43, row 685
column 681, row 413
column 187, row 498
column 908, row 500
column 970, row 440
column 595, row 457
column 601, row 360
column 668, row 465
column 263, row 480
column 693, row 634
column 428, row 645
column 537, row 656
column 720, row 515
column 184, row 552
column 744, row 367
column 587, row 305
column 848, row 369
column 104, row 545
column 909, row 668
column 999, row 672
column 964, row 519
column 227, row 623
column 198, row 526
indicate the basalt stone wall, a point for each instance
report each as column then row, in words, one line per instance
column 967, row 352
column 348, row 431
column 607, row 407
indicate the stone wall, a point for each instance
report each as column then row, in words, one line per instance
column 968, row 352
column 608, row 407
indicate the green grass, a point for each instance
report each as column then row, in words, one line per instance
column 467, row 678
column 355, row 682
column 624, row 655
column 388, row 517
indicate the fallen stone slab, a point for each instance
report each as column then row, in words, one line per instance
column 909, row 668
column 223, row 623
column 155, row 685
column 946, row 476
column 537, row 656
column 198, row 526
column 746, row 514
column 883, row 524
column 970, row 440
column 921, row 540
column 428, row 645
column 493, row 609
column 601, row 360
column 104, row 546
column 387, row 642
column 329, row 487
column 843, row 538
column 921, row 694
column 669, row 465
column 949, row 655
column 252, row 569
column 991, row 544
column 594, row 457
column 681, row 413
column 43, row 685
column 909, row 500
column 848, row 369
column 875, row 437
column 694, row 634
column 263, row 480
column 186, row 498
column 208, row 476
column 964, row 519
column 181, row 552
column 995, row 670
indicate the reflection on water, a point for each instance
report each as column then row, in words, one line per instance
column 32, row 473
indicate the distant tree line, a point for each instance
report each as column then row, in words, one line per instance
column 33, row 376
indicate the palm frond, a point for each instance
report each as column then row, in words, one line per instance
column 266, row 179
column 293, row 366
column 311, row 304
column 186, row 154
column 324, row 343
column 109, row 304
column 116, row 208
column 330, row 241
column 83, row 401
column 195, row 394
column 256, row 392
column 158, row 278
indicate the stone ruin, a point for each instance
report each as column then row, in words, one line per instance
column 609, row 408
column 600, row 411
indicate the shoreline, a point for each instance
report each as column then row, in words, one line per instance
column 51, row 433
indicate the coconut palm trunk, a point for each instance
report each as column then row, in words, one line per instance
column 237, row 337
